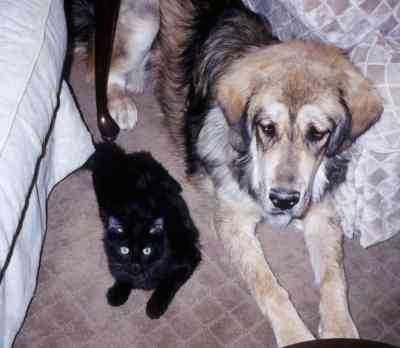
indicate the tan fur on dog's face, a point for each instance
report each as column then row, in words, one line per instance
column 304, row 103
column 290, row 144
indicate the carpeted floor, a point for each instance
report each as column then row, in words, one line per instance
column 214, row 308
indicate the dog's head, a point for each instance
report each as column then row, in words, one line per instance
column 301, row 104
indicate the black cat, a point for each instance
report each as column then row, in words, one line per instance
column 150, row 239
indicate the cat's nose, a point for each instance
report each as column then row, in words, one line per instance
column 135, row 268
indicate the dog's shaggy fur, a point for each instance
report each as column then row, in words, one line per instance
column 265, row 121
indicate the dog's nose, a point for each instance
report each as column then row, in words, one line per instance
column 284, row 199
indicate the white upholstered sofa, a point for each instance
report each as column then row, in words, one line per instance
column 42, row 140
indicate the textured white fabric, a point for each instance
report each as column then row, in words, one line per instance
column 32, row 109
column 369, row 201
column 344, row 23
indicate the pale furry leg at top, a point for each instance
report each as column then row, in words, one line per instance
column 137, row 27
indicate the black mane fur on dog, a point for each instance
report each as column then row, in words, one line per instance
column 217, row 33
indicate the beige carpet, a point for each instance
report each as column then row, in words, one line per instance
column 214, row 308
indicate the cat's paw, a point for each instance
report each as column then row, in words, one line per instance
column 123, row 110
column 156, row 307
column 116, row 297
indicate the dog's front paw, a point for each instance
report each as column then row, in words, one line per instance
column 123, row 110
column 338, row 326
column 293, row 332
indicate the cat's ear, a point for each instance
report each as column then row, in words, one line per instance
column 114, row 225
column 158, row 225
column 159, row 222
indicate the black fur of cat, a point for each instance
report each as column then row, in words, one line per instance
column 150, row 239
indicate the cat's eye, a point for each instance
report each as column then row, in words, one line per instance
column 146, row 251
column 124, row 250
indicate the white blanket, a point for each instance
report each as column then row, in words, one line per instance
column 42, row 139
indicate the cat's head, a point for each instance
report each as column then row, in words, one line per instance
column 134, row 246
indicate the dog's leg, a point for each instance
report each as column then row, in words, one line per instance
column 137, row 27
column 236, row 227
column 323, row 236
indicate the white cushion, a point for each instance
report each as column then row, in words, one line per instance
column 32, row 46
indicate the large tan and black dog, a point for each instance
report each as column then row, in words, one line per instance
column 265, row 121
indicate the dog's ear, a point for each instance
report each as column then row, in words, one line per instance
column 361, row 99
column 232, row 102
column 233, row 93
column 339, row 135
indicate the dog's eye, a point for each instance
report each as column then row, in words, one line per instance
column 269, row 129
column 124, row 250
column 315, row 135
column 147, row 251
